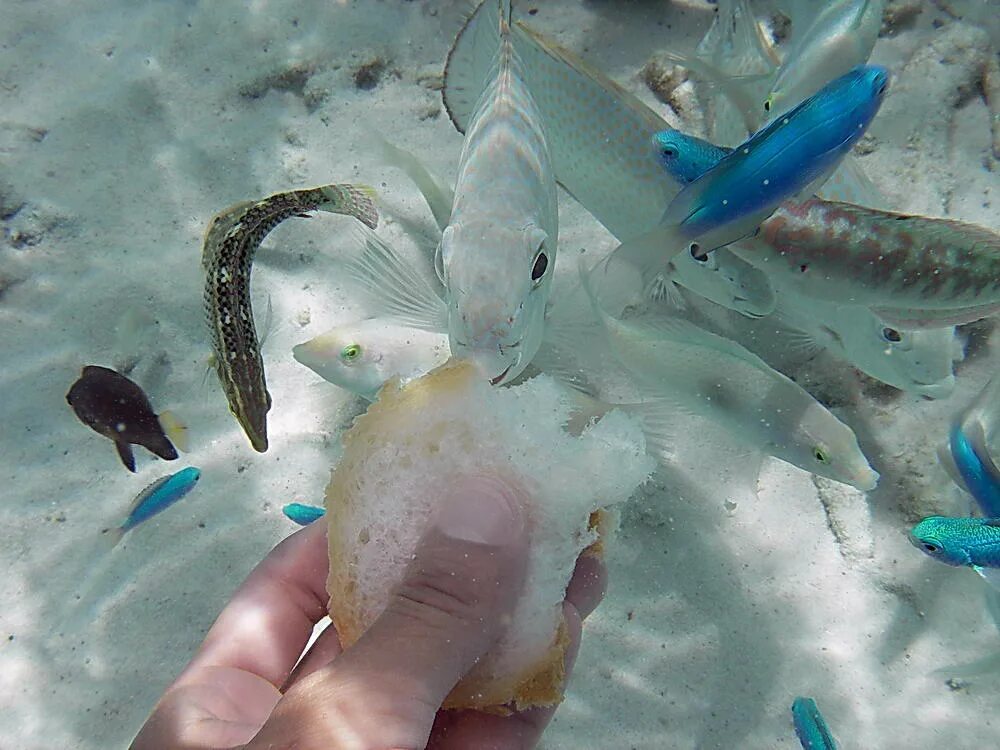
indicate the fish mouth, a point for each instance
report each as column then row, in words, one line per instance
column 867, row 481
column 499, row 378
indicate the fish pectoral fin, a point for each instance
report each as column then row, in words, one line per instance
column 991, row 575
column 395, row 288
column 125, row 454
column 658, row 416
column 646, row 254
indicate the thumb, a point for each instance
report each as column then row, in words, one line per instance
column 458, row 592
column 453, row 603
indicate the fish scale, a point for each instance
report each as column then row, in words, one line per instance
column 231, row 242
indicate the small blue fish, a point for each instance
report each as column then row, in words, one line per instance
column 974, row 542
column 156, row 498
column 810, row 727
column 975, row 466
column 686, row 157
column 301, row 514
column 786, row 158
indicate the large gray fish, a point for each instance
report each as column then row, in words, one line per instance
column 497, row 254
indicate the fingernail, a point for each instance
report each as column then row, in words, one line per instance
column 482, row 509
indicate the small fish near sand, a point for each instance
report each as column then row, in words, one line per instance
column 301, row 514
column 231, row 242
column 114, row 406
column 155, row 499
column 968, row 542
column 810, row 727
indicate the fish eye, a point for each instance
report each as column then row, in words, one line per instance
column 928, row 547
column 891, row 335
column 697, row 254
column 540, row 266
column 821, row 455
column 669, row 151
column 767, row 104
column 350, row 352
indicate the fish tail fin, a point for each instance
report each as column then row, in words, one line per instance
column 175, row 430
column 639, row 260
column 352, row 200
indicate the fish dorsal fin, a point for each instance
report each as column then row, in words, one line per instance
column 396, row 289
column 470, row 61
column 147, row 492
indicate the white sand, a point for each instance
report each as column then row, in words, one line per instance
column 123, row 129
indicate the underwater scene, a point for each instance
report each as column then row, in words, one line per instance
column 459, row 374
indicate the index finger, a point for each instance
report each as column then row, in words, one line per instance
column 270, row 618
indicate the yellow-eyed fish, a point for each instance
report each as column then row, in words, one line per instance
column 839, row 37
column 795, row 152
column 361, row 356
column 114, row 406
column 156, row 498
column 810, row 727
column 717, row 379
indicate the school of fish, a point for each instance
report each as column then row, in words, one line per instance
column 770, row 222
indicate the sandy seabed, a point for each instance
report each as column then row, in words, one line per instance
column 124, row 127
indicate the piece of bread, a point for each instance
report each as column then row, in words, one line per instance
column 406, row 448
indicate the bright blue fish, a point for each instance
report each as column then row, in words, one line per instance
column 810, row 727
column 301, row 514
column 975, row 466
column 974, row 542
column 156, row 498
column 686, row 157
column 794, row 152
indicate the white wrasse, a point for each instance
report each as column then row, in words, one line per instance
column 840, row 36
column 361, row 356
column 717, row 379
column 498, row 252
column 919, row 361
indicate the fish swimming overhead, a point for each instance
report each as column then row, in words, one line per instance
column 839, row 37
column 810, row 727
column 114, row 406
column 232, row 240
column 498, row 251
column 360, row 357
column 787, row 157
column 972, row 542
column 156, row 498
column 717, row 379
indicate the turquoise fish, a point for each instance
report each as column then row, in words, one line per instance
column 156, row 498
column 967, row 456
column 301, row 514
column 787, row 157
column 810, row 727
column 972, row 542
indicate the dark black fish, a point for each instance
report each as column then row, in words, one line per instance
column 111, row 404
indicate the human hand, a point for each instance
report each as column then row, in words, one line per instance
column 244, row 689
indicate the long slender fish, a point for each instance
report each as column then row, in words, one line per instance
column 911, row 271
column 719, row 380
column 498, row 251
column 967, row 455
column 810, row 727
column 794, row 152
column 231, row 242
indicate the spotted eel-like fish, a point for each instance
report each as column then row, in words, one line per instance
column 231, row 242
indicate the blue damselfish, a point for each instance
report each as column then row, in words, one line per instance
column 810, row 727
column 793, row 152
column 686, row 157
column 156, row 498
column 301, row 514
column 974, row 542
